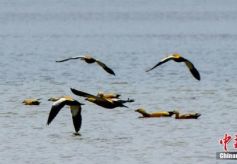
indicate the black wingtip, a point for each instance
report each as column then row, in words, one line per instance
column 148, row 70
column 195, row 73
column 73, row 90
column 76, row 92
column 49, row 120
column 111, row 72
column 197, row 76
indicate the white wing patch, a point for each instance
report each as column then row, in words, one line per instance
column 167, row 58
column 59, row 101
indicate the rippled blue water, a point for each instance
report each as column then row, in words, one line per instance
column 130, row 36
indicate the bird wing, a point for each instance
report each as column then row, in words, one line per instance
column 80, row 93
column 76, row 117
column 164, row 60
column 192, row 69
column 56, row 107
column 71, row 58
column 106, row 68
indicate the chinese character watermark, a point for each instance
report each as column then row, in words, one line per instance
column 227, row 155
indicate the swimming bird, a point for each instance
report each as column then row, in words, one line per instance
column 154, row 114
column 31, row 101
column 89, row 59
column 187, row 115
column 178, row 58
column 109, row 103
column 75, row 107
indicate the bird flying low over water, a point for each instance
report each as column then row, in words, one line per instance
column 109, row 103
column 187, row 115
column 31, row 102
column 88, row 59
column 75, row 107
column 178, row 58
column 154, row 114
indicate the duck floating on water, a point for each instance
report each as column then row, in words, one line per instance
column 186, row 115
column 89, row 59
column 178, row 58
column 75, row 107
column 31, row 101
column 154, row 114
column 109, row 103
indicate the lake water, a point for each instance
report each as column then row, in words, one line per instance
column 130, row 36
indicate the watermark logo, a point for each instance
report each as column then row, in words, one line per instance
column 225, row 142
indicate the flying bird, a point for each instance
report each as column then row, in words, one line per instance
column 154, row 114
column 187, row 115
column 109, row 103
column 89, row 59
column 31, row 101
column 178, row 58
column 75, row 107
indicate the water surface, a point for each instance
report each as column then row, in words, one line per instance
column 130, row 36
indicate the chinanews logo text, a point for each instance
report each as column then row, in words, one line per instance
column 228, row 142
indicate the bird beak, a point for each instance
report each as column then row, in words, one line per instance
column 82, row 104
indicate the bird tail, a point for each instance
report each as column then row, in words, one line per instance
column 198, row 115
column 124, row 106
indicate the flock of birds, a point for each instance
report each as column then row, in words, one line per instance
column 110, row 100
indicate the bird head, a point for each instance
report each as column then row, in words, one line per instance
column 88, row 56
column 175, row 111
column 176, row 55
column 53, row 98
column 100, row 94
column 172, row 112
column 140, row 110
